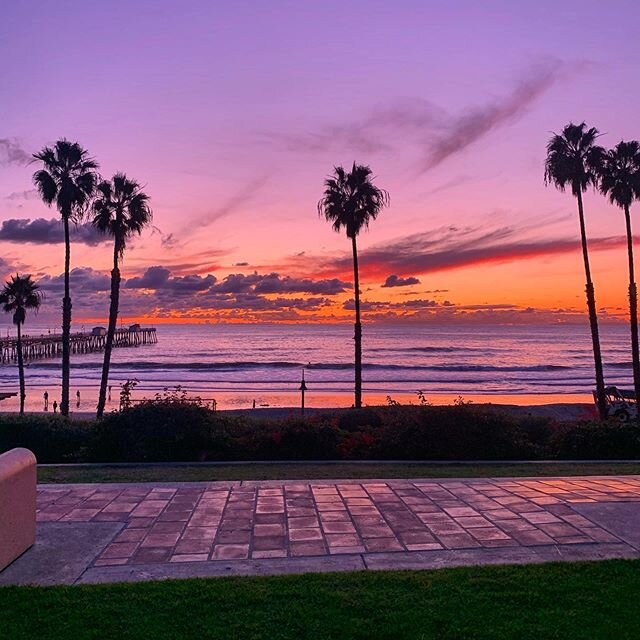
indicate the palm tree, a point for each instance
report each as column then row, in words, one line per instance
column 19, row 294
column 351, row 200
column 68, row 179
column 120, row 209
column 619, row 178
column 571, row 160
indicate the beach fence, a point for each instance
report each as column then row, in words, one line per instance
column 50, row 346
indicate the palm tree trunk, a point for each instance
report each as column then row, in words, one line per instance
column 111, row 331
column 633, row 309
column 66, row 323
column 593, row 317
column 358, row 328
column 21, row 370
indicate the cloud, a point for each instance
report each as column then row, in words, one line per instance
column 233, row 204
column 273, row 283
column 463, row 131
column 29, row 194
column 11, row 153
column 436, row 134
column 453, row 247
column 153, row 278
column 41, row 231
column 83, row 280
column 395, row 281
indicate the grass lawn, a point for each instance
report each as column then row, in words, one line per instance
column 319, row 471
column 567, row 601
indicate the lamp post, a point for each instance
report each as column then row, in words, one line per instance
column 303, row 388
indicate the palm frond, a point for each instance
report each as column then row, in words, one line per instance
column 619, row 173
column 351, row 200
column 121, row 209
column 20, row 294
column 572, row 157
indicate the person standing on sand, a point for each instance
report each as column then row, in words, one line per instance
column 109, row 393
column 55, row 406
column 78, row 399
column 46, row 400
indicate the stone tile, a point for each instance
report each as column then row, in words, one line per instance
column 540, row 517
column 268, row 530
column 268, row 543
column 199, row 533
column 307, row 549
column 532, row 537
column 139, row 523
column 559, row 530
column 461, row 511
column 338, row 527
column 373, row 545
column 190, row 557
column 342, row 540
column 273, row 553
column 231, row 536
column 149, row 555
column 458, row 541
column 304, row 535
column 119, row 550
column 110, row 562
column 230, row 552
column 469, row 522
column 345, row 550
column 167, row 527
column 160, row 540
column 131, row 535
column 303, row 522
column 193, row 546
column 425, row 546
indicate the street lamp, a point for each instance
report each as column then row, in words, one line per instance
column 303, row 388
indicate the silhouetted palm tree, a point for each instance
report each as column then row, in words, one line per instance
column 619, row 178
column 68, row 179
column 571, row 159
column 351, row 200
column 19, row 294
column 120, row 209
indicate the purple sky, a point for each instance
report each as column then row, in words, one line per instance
column 231, row 114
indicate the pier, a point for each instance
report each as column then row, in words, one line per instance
column 50, row 346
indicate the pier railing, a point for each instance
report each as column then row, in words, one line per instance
column 50, row 346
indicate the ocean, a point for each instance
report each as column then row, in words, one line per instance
column 239, row 364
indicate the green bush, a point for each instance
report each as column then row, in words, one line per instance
column 461, row 432
column 51, row 438
column 595, row 440
column 172, row 428
column 163, row 430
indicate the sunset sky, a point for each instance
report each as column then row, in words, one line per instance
column 232, row 113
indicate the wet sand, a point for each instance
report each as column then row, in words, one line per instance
column 559, row 411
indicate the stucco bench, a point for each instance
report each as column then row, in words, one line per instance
column 17, row 504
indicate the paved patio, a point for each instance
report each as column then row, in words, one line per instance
column 114, row 532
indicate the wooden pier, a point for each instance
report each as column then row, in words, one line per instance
column 50, row 346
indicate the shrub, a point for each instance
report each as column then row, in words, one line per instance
column 596, row 440
column 163, row 430
column 51, row 438
column 461, row 432
column 172, row 428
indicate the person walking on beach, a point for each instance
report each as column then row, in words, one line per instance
column 78, row 399
column 46, row 400
column 55, row 406
column 109, row 393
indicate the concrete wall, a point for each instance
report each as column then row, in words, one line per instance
column 17, row 504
